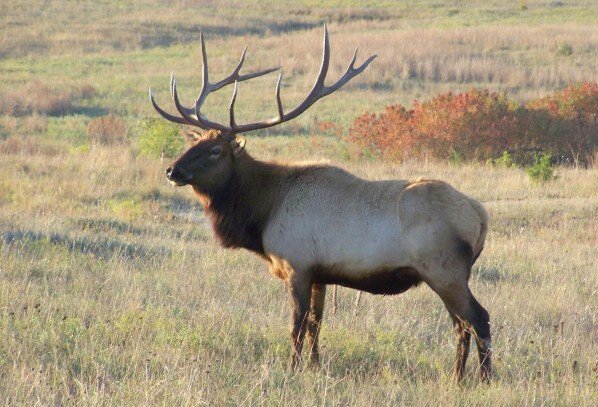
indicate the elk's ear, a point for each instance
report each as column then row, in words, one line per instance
column 238, row 144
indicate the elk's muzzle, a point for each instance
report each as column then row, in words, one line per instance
column 177, row 176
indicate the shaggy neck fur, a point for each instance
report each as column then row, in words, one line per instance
column 240, row 209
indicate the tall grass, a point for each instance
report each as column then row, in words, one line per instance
column 114, row 291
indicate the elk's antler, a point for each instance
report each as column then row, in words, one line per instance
column 194, row 117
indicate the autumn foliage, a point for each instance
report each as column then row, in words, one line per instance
column 566, row 122
column 482, row 125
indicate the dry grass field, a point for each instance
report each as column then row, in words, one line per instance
column 113, row 290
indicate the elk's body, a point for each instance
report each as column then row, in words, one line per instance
column 317, row 225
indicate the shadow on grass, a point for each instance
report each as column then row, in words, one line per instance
column 89, row 111
column 107, row 225
column 164, row 35
column 102, row 248
column 170, row 201
column 492, row 275
column 375, row 85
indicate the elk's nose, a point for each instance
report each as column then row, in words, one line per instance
column 173, row 173
column 178, row 176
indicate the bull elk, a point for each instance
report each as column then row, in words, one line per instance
column 316, row 225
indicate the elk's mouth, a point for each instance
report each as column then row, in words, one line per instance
column 177, row 177
column 178, row 183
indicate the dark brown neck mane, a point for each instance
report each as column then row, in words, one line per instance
column 240, row 209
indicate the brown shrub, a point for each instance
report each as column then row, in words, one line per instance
column 36, row 123
column 36, row 97
column 40, row 97
column 15, row 145
column 9, row 104
column 8, row 124
column 85, row 91
column 107, row 130
column 326, row 128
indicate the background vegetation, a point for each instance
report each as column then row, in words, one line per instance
column 112, row 288
column 487, row 126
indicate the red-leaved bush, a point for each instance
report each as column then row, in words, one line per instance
column 480, row 125
column 566, row 123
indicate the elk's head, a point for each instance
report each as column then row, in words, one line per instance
column 209, row 162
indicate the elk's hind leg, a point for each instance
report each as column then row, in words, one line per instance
column 480, row 320
column 300, row 291
column 473, row 319
column 314, row 321
column 463, row 341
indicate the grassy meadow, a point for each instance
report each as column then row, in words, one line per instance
column 113, row 290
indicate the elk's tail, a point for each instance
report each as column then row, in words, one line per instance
column 484, row 220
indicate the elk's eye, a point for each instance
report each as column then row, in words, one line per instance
column 215, row 151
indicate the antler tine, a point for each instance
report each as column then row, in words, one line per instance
column 205, row 83
column 349, row 74
column 238, row 68
column 184, row 111
column 164, row 114
column 235, row 77
column 230, row 78
column 174, row 96
column 231, row 108
column 314, row 93
column 252, row 75
column 318, row 85
column 325, row 63
column 278, row 100
column 354, row 58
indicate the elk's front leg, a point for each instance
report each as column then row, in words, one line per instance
column 314, row 321
column 300, row 290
